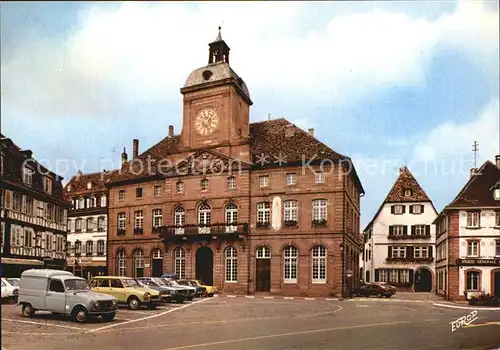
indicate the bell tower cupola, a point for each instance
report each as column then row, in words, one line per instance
column 218, row 50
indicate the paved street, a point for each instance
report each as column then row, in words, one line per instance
column 261, row 323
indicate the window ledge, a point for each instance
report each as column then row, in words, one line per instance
column 473, row 227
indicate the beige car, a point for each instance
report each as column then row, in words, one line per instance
column 127, row 291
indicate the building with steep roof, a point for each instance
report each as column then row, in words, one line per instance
column 87, row 223
column 399, row 240
column 468, row 237
column 261, row 207
column 33, row 213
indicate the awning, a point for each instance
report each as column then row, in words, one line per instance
column 14, row 261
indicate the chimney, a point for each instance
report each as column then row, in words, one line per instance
column 170, row 130
column 473, row 172
column 289, row 130
column 135, row 150
column 311, row 131
column 124, row 156
column 497, row 160
column 27, row 153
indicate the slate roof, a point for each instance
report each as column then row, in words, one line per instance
column 478, row 191
column 267, row 137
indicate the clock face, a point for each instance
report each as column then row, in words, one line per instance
column 206, row 122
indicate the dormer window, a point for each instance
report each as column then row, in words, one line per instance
column 496, row 194
column 89, row 185
column 407, row 193
column 69, row 188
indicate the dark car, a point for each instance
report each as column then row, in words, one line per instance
column 167, row 293
column 379, row 289
column 200, row 290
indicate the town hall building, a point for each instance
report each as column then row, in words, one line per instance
column 247, row 207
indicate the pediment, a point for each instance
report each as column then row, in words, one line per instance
column 208, row 162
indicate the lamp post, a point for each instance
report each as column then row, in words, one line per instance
column 342, row 254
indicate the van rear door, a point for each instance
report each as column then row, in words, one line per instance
column 55, row 298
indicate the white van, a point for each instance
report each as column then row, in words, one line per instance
column 61, row 292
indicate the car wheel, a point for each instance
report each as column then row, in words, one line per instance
column 134, row 303
column 27, row 310
column 80, row 315
column 109, row 317
column 380, row 295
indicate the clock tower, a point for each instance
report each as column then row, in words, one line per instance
column 216, row 106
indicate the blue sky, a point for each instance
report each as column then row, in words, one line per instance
column 382, row 82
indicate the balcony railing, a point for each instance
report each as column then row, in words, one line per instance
column 202, row 230
column 402, row 237
column 138, row 230
column 120, row 232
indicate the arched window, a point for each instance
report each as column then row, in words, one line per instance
column 318, row 264
column 231, row 264
column 121, row 263
column 157, row 263
column 90, row 224
column 231, row 217
column 138, row 263
column 179, row 220
column 100, row 247
column 101, row 224
column 204, row 216
column 263, row 253
column 290, row 255
column 180, row 263
column 89, row 248
column 78, row 225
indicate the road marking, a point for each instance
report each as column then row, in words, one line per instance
column 495, row 323
column 268, row 297
column 32, row 333
column 230, row 296
column 468, row 308
column 361, row 305
column 309, row 298
column 249, row 296
column 147, row 317
column 286, row 335
column 331, row 299
column 41, row 323
column 288, row 298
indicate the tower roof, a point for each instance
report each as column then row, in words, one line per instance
column 219, row 36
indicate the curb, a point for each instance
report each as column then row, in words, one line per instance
column 280, row 297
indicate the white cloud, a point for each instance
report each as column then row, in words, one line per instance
column 142, row 53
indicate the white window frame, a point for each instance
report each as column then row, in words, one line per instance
column 497, row 219
column 393, row 276
column 496, row 194
column 78, row 225
column 47, row 184
column 180, row 262
column 421, row 252
column 399, row 252
column 319, row 209
column 398, row 230
column 103, row 201
column 263, row 212
column 138, row 219
column 473, row 248
column 89, row 224
column 290, row 265
column 121, row 263
column 383, row 275
column 474, row 278
column 473, row 219
column 290, row 210
column 204, row 218
column 89, row 248
column 320, row 177
column 139, row 261
column 420, row 230
column 407, row 193
column 179, row 187
column 404, row 276
column 101, row 224
column 319, row 254
column 417, row 209
column 121, row 195
column 398, row 209
column 157, row 217
column 27, row 175
column 101, row 248
column 263, row 252
column 263, row 181
column 179, row 217
column 231, row 255
column 122, row 221
column 157, row 190
column 231, row 182
column 204, row 185
column 291, row 179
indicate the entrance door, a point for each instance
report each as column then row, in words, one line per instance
column 263, row 270
column 205, row 265
column 423, row 280
column 157, row 263
column 496, row 284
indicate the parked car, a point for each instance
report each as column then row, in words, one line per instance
column 170, row 275
column 14, row 281
column 211, row 290
column 380, row 289
column 127, row 291
column 10, row 291
column 188, row 291
column 63, row 293
column 200, row 290
column 167, row 293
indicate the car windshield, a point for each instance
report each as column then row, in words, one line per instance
column 130, row 283
column 151, row 283
column 76, row 284
column 13, row 281
column 167, row 282
column 174, row 283
column 160, row 282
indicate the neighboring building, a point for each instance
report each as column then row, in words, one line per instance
column 87, row 224
column 233, row 203
column 468, row 237
column 33, row 213
column 399, row 241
